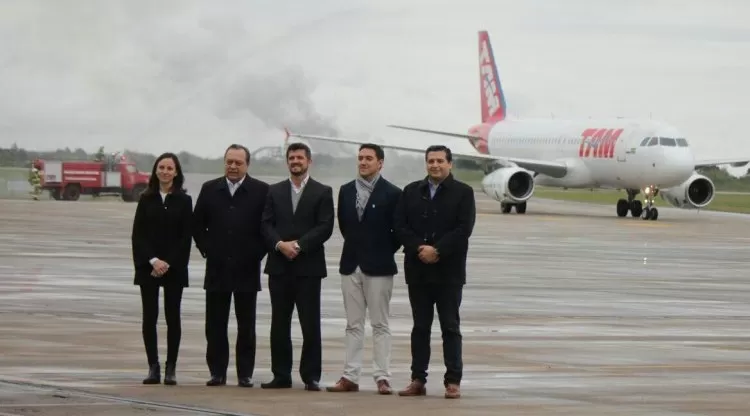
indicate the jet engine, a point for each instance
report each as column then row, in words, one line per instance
column 509, row 184
column 696, row 192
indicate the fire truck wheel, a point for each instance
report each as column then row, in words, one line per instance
column 72, row 192
column 137, row 191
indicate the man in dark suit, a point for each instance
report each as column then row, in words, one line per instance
column 366, row 207
column 228, row 235
column 297, row 221
column 434, row 220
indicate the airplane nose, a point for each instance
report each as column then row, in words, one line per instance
column 684, row 164
column 677, row 166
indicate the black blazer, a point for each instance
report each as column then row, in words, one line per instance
column 162, row 230
column 228, row 235
column 311, row 225
column 445, row 222
column 372, row 242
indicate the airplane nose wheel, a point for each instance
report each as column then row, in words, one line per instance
column 649, row 211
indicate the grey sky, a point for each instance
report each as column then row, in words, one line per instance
column 144, row 75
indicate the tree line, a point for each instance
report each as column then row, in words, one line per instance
column 15, row 156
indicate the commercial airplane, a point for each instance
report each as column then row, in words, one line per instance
column 629, row 154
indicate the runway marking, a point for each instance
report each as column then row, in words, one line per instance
column 62, row 404
column 651, row 224
column 50, row 388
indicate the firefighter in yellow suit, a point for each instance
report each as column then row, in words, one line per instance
column 35, row 180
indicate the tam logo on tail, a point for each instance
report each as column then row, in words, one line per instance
column 491, row 93
column 493, row 100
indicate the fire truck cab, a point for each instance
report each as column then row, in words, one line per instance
column 68, row 180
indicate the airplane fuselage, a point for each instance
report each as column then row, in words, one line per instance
column 607, row 153
column 637, row 156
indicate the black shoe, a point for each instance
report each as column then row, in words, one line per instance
column 169, row 375
column 244, row 382
column 154, row 374
column 276, row 384
column 312, row 386
column 217, row 381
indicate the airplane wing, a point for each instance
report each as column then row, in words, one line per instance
column 736, row 163
column 553, row 169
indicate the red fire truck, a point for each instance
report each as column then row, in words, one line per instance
column 68, row 180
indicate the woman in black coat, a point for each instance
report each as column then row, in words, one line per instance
column 161, row 242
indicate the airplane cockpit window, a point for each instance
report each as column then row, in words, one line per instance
column 643, row 143
column 654, row 141
column 666, row 141
column 682, row 143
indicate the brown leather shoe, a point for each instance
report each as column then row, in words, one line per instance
column 384, row 387
column 452, row 391
column 415, row 388
column 343, row 385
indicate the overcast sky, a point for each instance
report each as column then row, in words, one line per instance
column 145, row 75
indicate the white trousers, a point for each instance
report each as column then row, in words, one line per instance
column 367, row 293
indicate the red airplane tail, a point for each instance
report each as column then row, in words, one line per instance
column 491, row 91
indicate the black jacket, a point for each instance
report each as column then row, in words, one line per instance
column 372, row 242
column 162, row 230
column 311, row 225
column 227, row 233
column 445, row 222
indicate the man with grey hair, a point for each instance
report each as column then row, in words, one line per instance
column 365, row 214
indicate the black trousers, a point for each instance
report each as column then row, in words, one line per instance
column 304, row 293
column 217, row 338
column 150, row 311
column 423, row 298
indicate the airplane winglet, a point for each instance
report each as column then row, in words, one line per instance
column 287, row 135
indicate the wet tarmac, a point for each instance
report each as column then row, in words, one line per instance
column 568, row 310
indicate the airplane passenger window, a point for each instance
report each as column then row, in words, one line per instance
column 682, row 143
column 654, row 141
column 643, row 143
column 666, row 141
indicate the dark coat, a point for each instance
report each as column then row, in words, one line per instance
column 228, row 235
column 372, row 242
column 445, row 222
column 311, row 225
column 162, row 230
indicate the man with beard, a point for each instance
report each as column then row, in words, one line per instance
column 227, row 233
column 297, row 221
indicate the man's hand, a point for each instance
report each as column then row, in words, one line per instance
column 287, row 249
column 160, row 267
column 428, row 254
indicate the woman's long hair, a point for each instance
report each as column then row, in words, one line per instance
column 177, row 182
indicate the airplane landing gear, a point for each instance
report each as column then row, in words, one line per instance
column 650, row 212
column 505, row 207
column 631, row 204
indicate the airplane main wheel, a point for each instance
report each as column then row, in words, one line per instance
column 521, row 208
column 636, row 209
column 622, row 207
column 505, row 208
